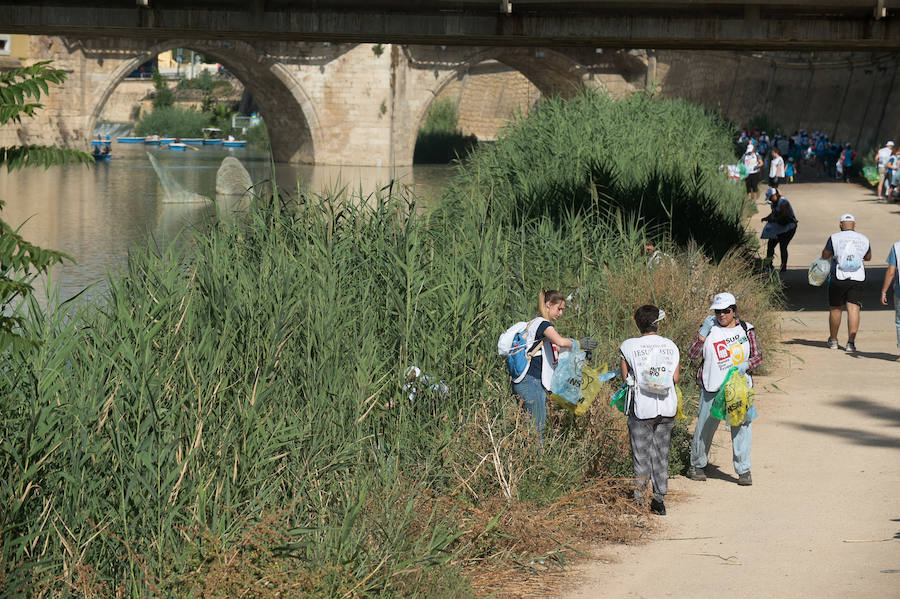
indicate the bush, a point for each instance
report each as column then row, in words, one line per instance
column 440, row 140
column 655, row 160
column 174, row 122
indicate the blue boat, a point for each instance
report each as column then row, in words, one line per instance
column 164, row 141
column 192, row 140
column 100, row 142
column 212, row 136
column 177, row 146
column 237, row 143
column 151, row 140
column 102, row 158
column 130, row 140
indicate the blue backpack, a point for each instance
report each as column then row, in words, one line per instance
column 513, row 344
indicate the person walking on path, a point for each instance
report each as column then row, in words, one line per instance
column 776, row 168
column 845, row 285
column 752, row 163
column 881, row 160
column 723, row 341
column 892, row 276
column 781, row 225
column 543, row 344
column 651, row 365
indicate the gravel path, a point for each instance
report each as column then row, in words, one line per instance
column 822, row 518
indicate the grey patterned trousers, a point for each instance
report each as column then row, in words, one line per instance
column 650, row 455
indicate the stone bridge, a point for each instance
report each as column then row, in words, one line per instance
column 323, row 103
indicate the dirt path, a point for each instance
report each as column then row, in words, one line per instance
column 822, row 518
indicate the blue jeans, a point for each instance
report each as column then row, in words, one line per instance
column 534, row 397
column 897, row 313
column 741, row 436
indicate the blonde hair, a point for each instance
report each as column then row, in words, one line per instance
column 551, row 296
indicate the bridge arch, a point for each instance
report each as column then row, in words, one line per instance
column 288, row 111
column 552, row 72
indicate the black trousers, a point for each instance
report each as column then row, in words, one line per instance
column 782, row 240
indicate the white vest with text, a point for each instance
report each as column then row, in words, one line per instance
column 723, row 349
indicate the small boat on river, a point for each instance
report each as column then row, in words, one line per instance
column 100, row 142
column 130, row 140
column 151, row 140
column 192, row 140
column 164, row 141
column 235, row 143
column 212, row 136
column 177, row 146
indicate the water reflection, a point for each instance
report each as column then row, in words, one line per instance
column 97, row 215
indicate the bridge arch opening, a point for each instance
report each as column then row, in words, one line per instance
column 283, row 104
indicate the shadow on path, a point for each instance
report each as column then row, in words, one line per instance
column 799, row 295
column 856, row 355
column 857, row 436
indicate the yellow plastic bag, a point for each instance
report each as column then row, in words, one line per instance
column 733, row 399
column 679, row 413
column 592, row 380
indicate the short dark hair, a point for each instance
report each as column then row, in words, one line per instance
column 645, row 317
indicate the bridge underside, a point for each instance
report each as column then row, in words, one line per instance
column 870, row 25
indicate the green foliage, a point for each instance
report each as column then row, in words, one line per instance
column 656, row 160
column 163, row 96
column 442, row 117
column 258, row 137
column 265, row 375
column 440, row 140
column 20, row 261
column 173, row 121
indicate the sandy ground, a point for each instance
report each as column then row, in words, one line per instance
column 822, row 518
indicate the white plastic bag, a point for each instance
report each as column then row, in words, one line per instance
column 819, row 271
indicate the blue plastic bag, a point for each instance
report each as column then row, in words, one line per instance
column 566, row 380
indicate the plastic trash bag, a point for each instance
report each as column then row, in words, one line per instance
column 819, row 271
column 618, row 398
column 567, row 377
column 592, row 380
column 733, row 400
column 679, row 413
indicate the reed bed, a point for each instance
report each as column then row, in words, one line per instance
column 238, row 421
column 655, row 160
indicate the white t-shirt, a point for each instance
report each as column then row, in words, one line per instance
column 776, row 167
column 849, row 247
column 751, row 162
column 722, row 349
column 883, row 154
column 652, row 361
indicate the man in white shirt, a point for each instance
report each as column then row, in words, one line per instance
column 845, row 286
column 881, row 160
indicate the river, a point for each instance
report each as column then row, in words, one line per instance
column 96, row 215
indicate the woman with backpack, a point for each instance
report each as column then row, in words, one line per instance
column 650, row 365
column 724, row 342
column 543, row 343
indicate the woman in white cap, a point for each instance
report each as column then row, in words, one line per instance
column 723, row 341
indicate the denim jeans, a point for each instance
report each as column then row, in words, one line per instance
column 897, row 312
column 741, row 436
column 534, row 397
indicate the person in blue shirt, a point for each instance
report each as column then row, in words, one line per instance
column 892, row 276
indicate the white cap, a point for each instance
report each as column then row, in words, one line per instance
column 890, row 144
column 848, row 218
column 722, row 301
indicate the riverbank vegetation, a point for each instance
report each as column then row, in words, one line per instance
column 166, row 118
column 654, row 160
column 239, row 422
column 440, row 140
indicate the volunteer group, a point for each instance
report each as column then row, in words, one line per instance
column 650, row 366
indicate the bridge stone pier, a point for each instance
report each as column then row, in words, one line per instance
column 341, row 104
